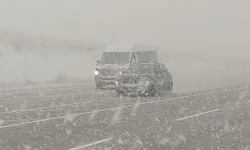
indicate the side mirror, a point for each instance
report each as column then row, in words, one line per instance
column 97, row 62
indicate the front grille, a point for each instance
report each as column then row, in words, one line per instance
column 130, row 79
column 108, row 72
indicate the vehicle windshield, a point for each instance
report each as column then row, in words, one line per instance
column 115, row 58
column 147, row 56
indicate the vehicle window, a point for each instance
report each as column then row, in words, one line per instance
column 115, row 58
column 147, row 56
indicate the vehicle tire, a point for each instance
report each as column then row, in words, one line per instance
column 98, row 86
column 119, row 94
column 143, row 94
column 170, row 86
column 152, row 91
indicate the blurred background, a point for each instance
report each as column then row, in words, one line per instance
column 204, row 43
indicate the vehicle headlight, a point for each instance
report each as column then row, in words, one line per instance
column 116, row 83
column 147, row 83
column 96, row 72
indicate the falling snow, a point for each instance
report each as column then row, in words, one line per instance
column 136, row 122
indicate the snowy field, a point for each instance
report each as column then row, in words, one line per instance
column 79, row 118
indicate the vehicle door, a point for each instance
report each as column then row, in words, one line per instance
column 167, row 77
column 160, row 74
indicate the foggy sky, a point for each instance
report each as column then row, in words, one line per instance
column 177, row 24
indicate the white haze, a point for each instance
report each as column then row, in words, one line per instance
column 178, row 24
column 214, row 34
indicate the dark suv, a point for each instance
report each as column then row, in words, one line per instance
column 144, row 79
column 120, row 57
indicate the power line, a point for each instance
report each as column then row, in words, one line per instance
column 91, row 144
column 113, row 108
column 48, row 86
column 47, row 89
column 54, row 96
column 197, row 115
column 85, row 102
column 61, row 105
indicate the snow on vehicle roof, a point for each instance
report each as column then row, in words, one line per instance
column 129, row 47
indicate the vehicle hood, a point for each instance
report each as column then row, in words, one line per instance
column 114, row 67
column 136, row 75
column 111, row 69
